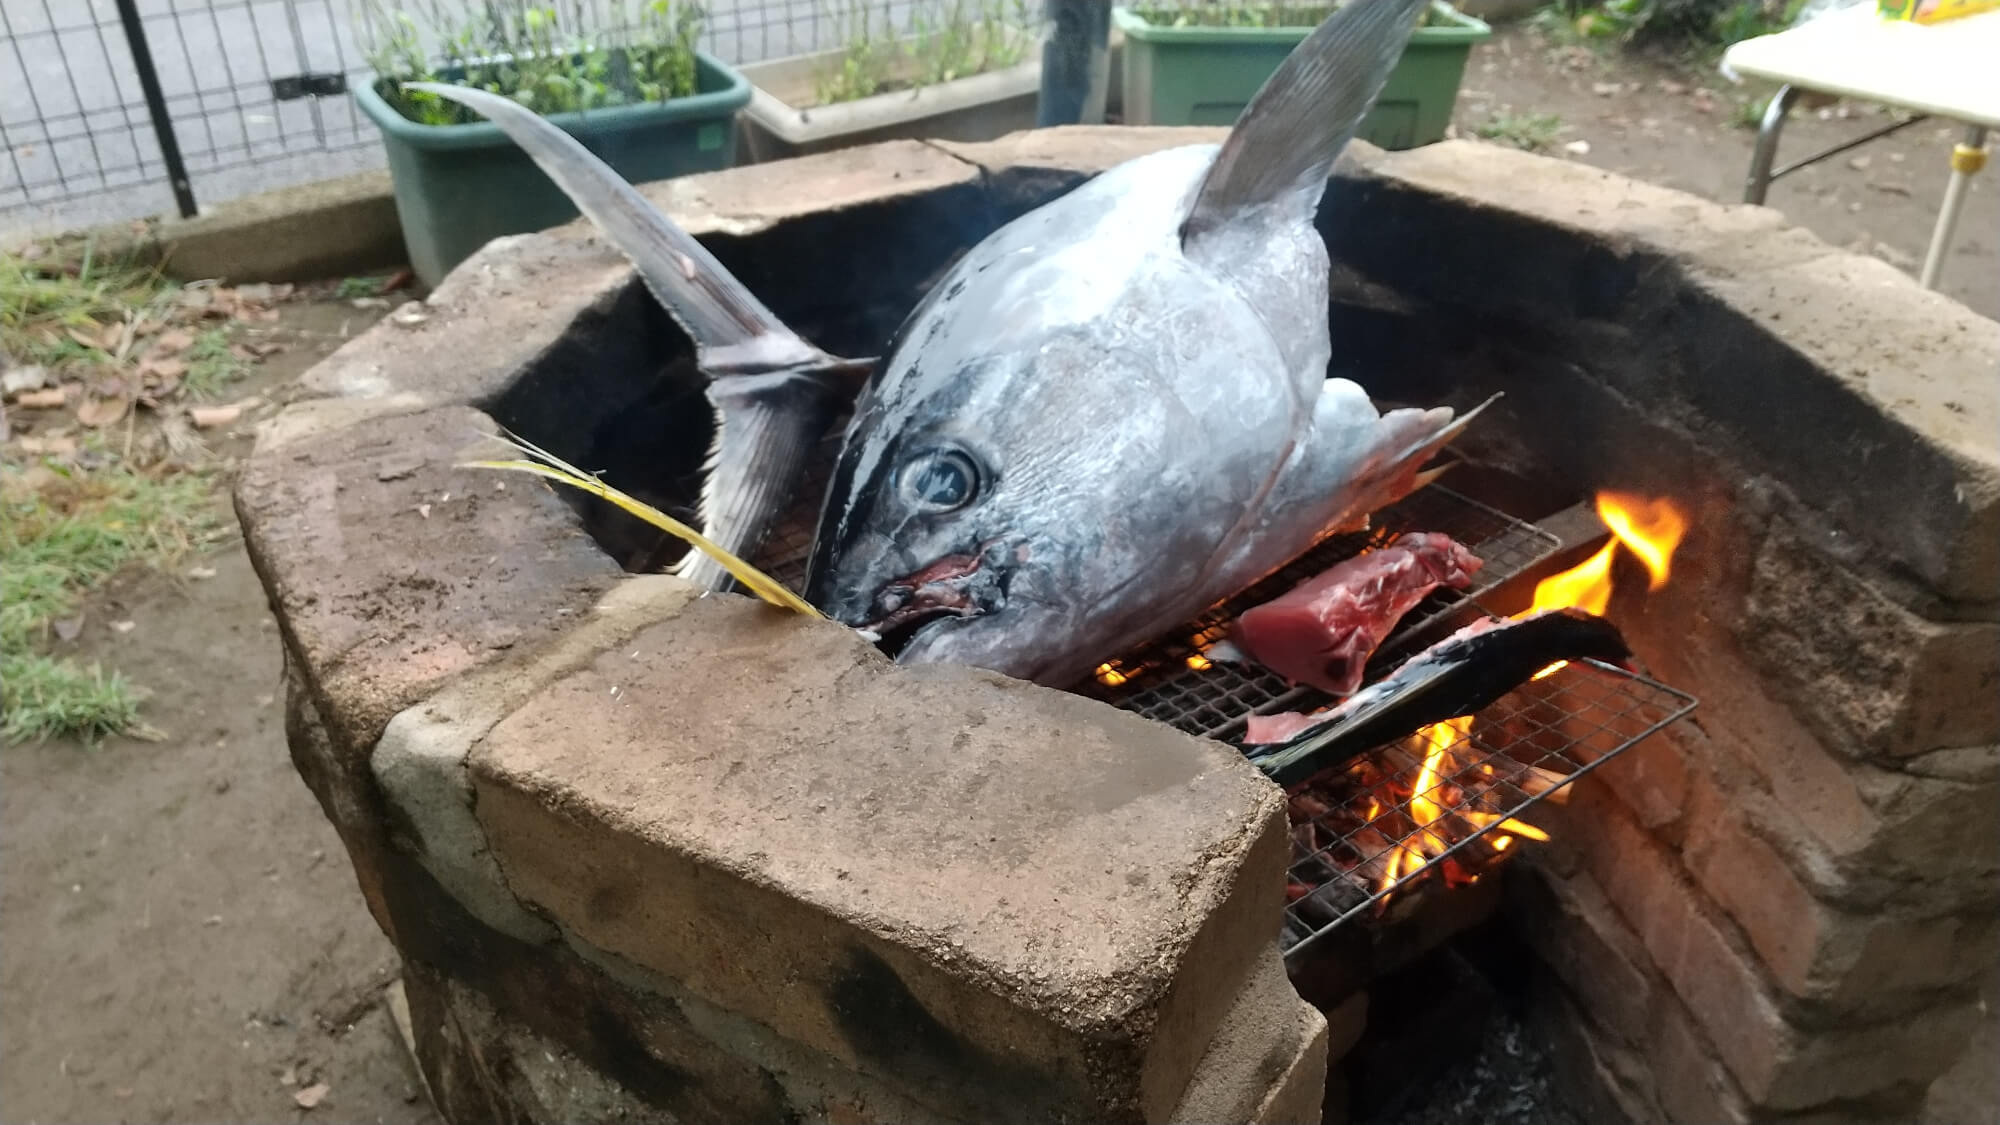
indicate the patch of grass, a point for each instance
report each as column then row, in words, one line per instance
column 1530, row 132
column 211, row 366
column 352, row 287
column 49, row 698
column 41, row 301
column 61, row 533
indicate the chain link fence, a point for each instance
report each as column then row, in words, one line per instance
column 252, row 94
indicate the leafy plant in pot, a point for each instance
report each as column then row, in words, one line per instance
column 954, row 69
column 1199, row 62
column 625, row 78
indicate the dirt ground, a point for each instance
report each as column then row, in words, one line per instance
column 183, row 940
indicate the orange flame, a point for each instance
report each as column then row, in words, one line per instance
column 1650, row 529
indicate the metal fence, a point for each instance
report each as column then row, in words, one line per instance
column 252, row 93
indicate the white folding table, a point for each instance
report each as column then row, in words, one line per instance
column 1949, row 70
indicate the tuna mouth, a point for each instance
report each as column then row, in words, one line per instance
column 954, row 587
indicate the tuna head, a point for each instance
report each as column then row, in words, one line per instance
column 1023, row 540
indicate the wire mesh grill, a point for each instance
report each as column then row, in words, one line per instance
column 1417, row 813
column 1169, row 680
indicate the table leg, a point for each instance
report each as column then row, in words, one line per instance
column 1766, row 152
column 1967, row 158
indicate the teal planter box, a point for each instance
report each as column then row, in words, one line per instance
column 459, row 187
column 1206, row 75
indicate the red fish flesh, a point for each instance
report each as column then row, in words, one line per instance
column 1323, row 631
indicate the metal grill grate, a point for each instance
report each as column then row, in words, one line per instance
column 1359, row 836
column 1170, row 681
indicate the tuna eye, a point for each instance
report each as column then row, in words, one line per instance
column 940, row 480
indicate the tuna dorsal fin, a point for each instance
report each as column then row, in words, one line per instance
column 1285, row 143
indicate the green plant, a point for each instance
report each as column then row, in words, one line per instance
column 956, row 39
column 1706, row 24
column 211, row 366
column 43, row 302
column 63, row 531
column 1232, row 13
column 530, row 52
column 1528, row 131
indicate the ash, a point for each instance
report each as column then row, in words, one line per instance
column 1509, row 1080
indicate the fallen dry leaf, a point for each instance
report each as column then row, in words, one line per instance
column 30, row 378
column 312, row 1095
column 124, row 626
column 98, row 412
column 178, row 340
column 167, row 372
column 82, row 336
column 55, row 445
column 210, row 417
column 201, row 572
column 69, row 628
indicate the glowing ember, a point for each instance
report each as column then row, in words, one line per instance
column 1109, row 676
column 1198, row 662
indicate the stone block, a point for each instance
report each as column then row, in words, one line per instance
column 1753, row 311
column 755, row 198
column 1778, row 1066
column 745, row 802
column 1859, row 835
column 392, row 571
column 1267, row 1060
column 1860, row 668
column 419, row 762
column 1878, row 962
column 1023, row 170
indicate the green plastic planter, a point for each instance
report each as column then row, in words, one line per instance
column 1206, row 75
column 459, row 187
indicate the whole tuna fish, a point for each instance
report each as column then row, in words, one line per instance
column 1114, row 411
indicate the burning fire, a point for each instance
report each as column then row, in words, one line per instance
column 1433, row 798
column 1650, row 529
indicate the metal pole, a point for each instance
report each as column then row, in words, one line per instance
column 1076, row 63
column 1759, row 182
column 156, row 107
column 1967, row 158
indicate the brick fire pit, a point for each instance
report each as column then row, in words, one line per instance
column 651, row 856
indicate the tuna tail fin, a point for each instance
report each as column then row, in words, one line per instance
column 1399, row 471
column 1285, row 143
column 773, row 393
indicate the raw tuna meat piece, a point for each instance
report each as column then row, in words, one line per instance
column 1323, row 631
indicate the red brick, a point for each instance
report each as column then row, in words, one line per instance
column 1852, row 961
column 1652, row 780
column 1693, row 1087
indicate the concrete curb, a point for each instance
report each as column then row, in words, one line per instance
column 330, row 228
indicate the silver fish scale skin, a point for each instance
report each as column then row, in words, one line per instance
column 1148, row 425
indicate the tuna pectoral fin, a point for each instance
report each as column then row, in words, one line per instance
column 732, row 331
column 1285, row 143
column 765, row 428
column 773, row 392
